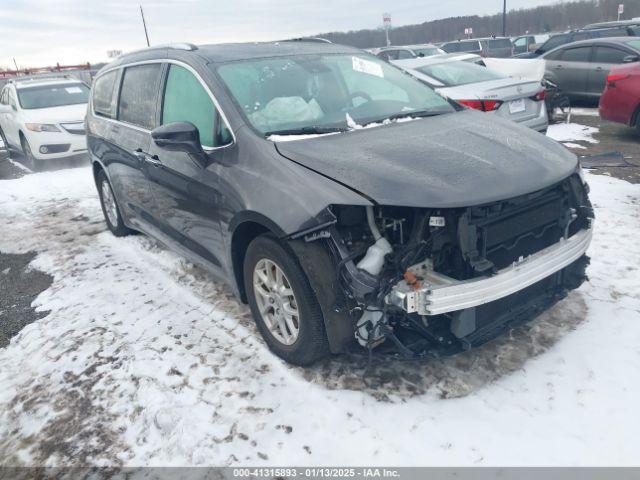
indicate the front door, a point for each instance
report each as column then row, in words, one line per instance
column 186, row 189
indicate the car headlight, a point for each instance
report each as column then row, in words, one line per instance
column 42, row 127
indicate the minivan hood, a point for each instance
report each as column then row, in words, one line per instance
column 67, row 113
column 452, row 160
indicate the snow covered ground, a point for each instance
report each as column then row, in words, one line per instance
column 145, row 361
column 569, row 133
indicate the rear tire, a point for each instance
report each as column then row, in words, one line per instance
column 110, row 208
column 283, row 304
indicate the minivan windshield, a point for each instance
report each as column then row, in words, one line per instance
column 324, row 93
column 452, row 74
column 55, row 95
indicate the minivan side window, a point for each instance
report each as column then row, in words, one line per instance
column 580, row 54
column 138, row 95
column 4, row 97
column 103, row 94
column 186, row 100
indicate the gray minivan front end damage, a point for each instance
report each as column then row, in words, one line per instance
column 426, row 280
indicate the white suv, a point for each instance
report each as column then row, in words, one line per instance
column 44, row 118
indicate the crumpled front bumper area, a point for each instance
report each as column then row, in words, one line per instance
column 439, row 294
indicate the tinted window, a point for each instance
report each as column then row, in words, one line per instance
column 49, row 96
column 138, row 95
column 609, row 55
column 556, row 55
column 186, row 100
column 581, row 36
column 404, row 54
column 469, row 46
column 324, row 91
column 613, row 32
column 451, row 47
column 459, row 73
column 553, row 42
column 580, row 54
column 500, row 43
column 103, row 94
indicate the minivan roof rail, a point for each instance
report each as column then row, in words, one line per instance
column 190, row 47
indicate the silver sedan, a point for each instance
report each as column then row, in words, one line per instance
column 519, row 100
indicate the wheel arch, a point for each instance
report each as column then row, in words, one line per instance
column 244, row 229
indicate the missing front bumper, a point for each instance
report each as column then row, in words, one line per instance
column 441, row 294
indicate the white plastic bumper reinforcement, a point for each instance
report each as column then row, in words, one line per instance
column 442, row 294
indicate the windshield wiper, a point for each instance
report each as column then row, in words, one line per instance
column 415, row 114
column 312, row 130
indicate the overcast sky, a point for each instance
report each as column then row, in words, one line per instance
column 43, row 32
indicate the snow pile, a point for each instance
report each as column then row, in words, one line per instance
column 143, row 360
column 572, row 132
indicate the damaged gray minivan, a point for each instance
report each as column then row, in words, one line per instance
column 350, row 205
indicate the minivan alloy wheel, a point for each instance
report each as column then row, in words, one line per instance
column 110, row 206
column 276, row 301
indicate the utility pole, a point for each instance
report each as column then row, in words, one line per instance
column 504, row 18
column 144, row 24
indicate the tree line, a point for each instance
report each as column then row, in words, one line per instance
column 549, row 18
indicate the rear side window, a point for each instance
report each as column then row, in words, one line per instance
column 554, row 42
column 138, row 95
column 613, row 32
column 580, row 54
column 450, row 47
column 609, row 55
column 469, row 46
column 103, row 94
column 186, row 100
column 404, row 54
column 500, row 43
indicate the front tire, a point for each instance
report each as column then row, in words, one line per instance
column 31, row 161
column 110, row 207
column 283, row 304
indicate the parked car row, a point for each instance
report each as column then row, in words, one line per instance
column 43, row 118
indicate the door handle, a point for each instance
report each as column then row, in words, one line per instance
column 557, row 67
column 599, row 69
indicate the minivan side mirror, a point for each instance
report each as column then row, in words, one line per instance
column 179, row 137
column 630, row 59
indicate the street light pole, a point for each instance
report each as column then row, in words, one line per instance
column 504, row 18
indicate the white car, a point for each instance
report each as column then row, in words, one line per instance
column 44, row 118
column 518, row 99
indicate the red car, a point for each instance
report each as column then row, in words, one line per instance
column 620, row 101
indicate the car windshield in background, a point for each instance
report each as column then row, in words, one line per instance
column 452, row 74
column 427, row 52
column 323, row 93
column 49, row 96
